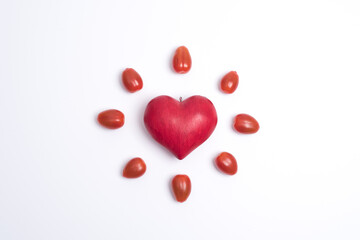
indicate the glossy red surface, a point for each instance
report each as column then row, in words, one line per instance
column 135, row 168
column 245, row 123
column 182, row 60
column 229, row 82
column 180, row 126
column 181, row 186
column 111, row 119
column 226, row 163
column 132, row 80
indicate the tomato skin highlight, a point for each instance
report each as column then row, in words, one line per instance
column 181, row 186
column 244, row 123
column 111, row 119
column 229, row 82
column 226, row 163
column 132, row 80
column 135, row 168
column 182, row 60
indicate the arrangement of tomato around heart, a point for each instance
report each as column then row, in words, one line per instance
column 180, row 125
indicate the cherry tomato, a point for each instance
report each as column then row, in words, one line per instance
column 135, row 168
column 182, row 60
column 181, row 186
column 229, row 82
column 111, row 119
column 245, row 123
column 132, row 80
column 226, row 163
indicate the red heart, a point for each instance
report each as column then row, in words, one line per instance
column 180, row 126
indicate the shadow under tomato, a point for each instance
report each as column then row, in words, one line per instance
column 120, row 81
column 170, row 188
column 170, row 61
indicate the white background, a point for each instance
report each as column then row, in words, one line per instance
column 60, row 172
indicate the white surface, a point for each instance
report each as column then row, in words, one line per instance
column 298, row 63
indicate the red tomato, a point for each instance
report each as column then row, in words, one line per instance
column 182, row 60
column 135, row 168
column 230, row 82
column 226, row 163
column 245, row 123
column 132, row 80
column 111, row 118
column 181, row 186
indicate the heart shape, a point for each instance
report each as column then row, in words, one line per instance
column 180, row 126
